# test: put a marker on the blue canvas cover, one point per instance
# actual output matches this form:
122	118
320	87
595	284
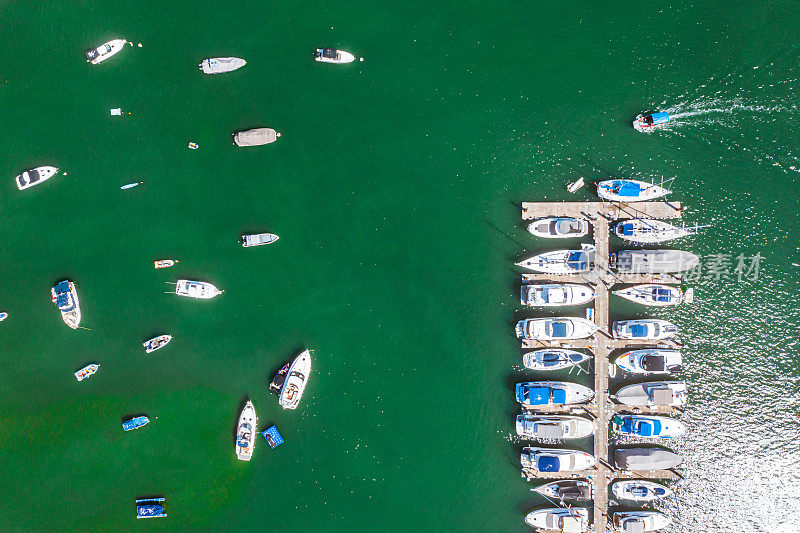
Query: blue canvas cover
548	463
538	395
627	229
62	287
559	396
577	261
629	188
660	118
559	329
639	331
274	438
645	429
627	426
62	300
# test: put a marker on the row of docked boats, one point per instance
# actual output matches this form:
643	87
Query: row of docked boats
573	328
638	230
580	261
564	294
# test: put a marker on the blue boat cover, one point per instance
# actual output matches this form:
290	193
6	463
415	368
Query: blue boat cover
548	463
639	492
627	426
538	395
62	300
577	260
559	329
648	428
627	229
628	188
551	359
559	396
62	287
663	295
660	492
274	438
149	510
134	423
660	118
639	331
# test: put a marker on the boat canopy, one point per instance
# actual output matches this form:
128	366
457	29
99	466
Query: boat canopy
628	188
559	329
627	229
662	295
550	431
62	287
559	396
566	225
548	463
538	395
634	526
661	117
653	363
638	331
662	395
330	53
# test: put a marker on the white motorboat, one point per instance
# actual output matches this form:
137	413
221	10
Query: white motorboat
561	261
639	490
164	263
156	343
218	65
545	393
574	520
566	489
86	371
332	55
3	316
654	294
553	359
246	432
255	137
556	328
554	426
639	521
558	227
646	459
66	299
556	294
555	460
196	289
35	176
644	230
104	51
295	382
652	261
644	329
257	239
654	393
621	190
650	361
647	426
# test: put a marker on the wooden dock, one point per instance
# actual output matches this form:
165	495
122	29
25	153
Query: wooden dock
602	408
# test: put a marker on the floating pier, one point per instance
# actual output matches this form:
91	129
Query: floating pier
600	215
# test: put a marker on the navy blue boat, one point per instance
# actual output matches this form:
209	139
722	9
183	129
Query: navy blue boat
150	508
135	423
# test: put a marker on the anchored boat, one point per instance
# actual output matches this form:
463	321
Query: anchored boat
196	289
295	382
558	227
639	490
639	521
332	55
35	176
3	316
650	361
655	427
150	508
654	294
255	137
645	459
556	328
156	343
554	460
654	393
566	489
218	65
652	261
257	239
553	359
554	426
644	329
66	299
104	51
649	122
649	231
246	432
621	190
574	520
561	261
164	263
135	423
539	393
86	371
556	294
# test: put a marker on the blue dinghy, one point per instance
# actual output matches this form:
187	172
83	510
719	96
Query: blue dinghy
135	423
150	508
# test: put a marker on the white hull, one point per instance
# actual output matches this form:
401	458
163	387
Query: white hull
611	190
553	359
341	57
652	294
554	295
651	361
569	460
220	65
295	382
558	228
258	239
85	372
196	289
571	393
554	426
35	176
255	137
246	432
163	263
656	393
648	231
104	51
668	428
644	329
561	261
556	328
156	343
559	519
639	490
650	520
71	318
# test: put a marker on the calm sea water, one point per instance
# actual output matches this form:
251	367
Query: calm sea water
395	190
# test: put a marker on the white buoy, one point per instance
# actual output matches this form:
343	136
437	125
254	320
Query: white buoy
278	134
140	45
361	59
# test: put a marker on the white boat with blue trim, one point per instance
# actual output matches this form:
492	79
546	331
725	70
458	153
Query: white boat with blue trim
556	328
624	190
533	394
655	295
639	490
220	65
34	176
556	294
561	261
648	426
644	329
65	296
553	359
650	361
554	426
555	460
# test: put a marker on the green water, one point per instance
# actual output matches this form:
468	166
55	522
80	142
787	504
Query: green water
395	189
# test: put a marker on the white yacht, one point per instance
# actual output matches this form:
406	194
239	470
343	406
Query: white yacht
558	227
644	329
639	490
554	426
257	239
653	394
556	294
639	521
561	261
104	51
553	359
295	382
255	137
156	343
219	65
650	361
332	55
574	520
196	289
556	460
66	299
35	176
556	328
246	432
533	394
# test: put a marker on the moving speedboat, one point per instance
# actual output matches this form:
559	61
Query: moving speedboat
639	521
556	294
257	239
566	489
295	382
639	490
654	294
150	508
164	263
196	289
561	261
652	261
556	328
644	329
574	520
654	393
650	361
104	51
553	359
539	393
86	371
331	55
135	423
156	343
655	427
218	65
246	432
649	231
558	227
66	299
554	426
553	460
35	176
648	122
621	190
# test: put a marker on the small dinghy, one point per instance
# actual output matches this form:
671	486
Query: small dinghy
652	427
630	190
135	423
219	65
104	51
255	137
3	316
645	459
639	490
65	296
651	361
554	460
332	55
575	185
554	427
246	432
258	239
150	508
557	328
653	294
644	329
652	261
553	359
566	489
575	520
648	231
164	263
653	394
86	371
196	289
649	122
561	261
556	294
540	393
295	382
35	176
156	343
639	521
558	228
